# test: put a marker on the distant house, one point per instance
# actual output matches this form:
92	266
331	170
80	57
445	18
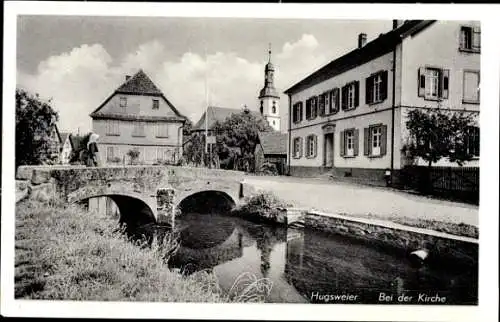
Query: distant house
271	149
138	116
54	145
66	149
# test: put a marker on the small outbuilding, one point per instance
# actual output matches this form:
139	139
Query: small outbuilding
270	153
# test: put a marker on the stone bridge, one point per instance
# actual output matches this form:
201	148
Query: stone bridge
141	193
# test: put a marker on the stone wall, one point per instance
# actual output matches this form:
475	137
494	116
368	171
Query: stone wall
444	249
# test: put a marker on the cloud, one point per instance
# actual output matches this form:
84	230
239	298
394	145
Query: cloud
81	79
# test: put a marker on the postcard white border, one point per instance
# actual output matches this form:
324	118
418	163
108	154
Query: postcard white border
488	270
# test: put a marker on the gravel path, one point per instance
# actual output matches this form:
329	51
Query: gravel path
354	199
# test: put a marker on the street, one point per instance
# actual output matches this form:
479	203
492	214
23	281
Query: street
358	200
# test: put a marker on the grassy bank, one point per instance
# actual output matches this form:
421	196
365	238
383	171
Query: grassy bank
63	252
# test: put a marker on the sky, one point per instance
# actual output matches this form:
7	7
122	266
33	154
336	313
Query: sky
78	61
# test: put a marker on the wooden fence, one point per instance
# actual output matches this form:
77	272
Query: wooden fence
459	182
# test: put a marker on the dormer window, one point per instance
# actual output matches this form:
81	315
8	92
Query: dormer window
156	104
123	101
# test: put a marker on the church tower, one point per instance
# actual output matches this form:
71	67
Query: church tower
269	99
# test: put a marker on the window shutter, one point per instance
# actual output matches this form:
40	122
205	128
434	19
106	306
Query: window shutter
383	140
383	86
344	98
366	141
301	147
356	93
301	112
342	143
314	108
315	151
476	38
294	113
445	77
421	82
356	142
368	90
322	104
336	93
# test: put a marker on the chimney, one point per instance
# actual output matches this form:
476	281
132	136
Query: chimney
361	40
127	77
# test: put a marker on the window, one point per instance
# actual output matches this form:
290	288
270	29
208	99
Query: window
297	148
334	101
274	107
138	129
297	112
156	104
123	101
473	141
376	88
261	107
112	153
350	96
311	108
433	83
150	154
375	140
161	130
112	127
311	146
376	134
471	87
274	122
470	39
349	143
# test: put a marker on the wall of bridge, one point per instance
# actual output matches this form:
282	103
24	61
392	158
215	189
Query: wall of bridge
161	188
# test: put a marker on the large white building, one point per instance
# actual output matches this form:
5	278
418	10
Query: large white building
349	117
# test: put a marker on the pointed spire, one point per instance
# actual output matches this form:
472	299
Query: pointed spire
269	52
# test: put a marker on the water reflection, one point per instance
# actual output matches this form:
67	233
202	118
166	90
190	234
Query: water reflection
301	263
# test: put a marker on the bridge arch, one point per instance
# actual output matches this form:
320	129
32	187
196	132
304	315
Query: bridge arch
135	210
205	201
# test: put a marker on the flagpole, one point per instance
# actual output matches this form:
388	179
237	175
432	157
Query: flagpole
206	100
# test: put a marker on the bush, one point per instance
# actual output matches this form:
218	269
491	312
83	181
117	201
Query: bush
261	207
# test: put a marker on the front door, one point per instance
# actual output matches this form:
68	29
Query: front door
328	148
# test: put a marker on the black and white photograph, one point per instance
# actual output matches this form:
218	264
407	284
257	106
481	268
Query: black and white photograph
158	157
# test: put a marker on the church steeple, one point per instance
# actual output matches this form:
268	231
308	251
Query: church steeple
268	90
269	97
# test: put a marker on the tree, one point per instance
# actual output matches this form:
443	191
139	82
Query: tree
186	130
437	133
237	137
133	154
35	122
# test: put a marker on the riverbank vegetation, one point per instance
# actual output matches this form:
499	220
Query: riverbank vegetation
66	253
262	207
